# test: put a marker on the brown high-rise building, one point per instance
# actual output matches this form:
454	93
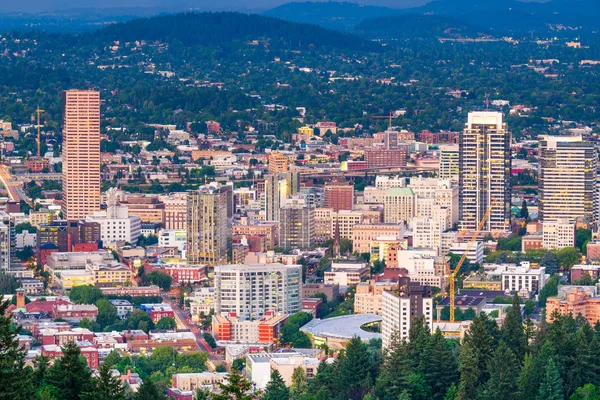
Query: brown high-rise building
339	195
81	153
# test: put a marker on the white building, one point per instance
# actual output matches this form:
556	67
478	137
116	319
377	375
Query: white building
346	273
25	239
399	205
558	234
116	225
259	366
449	162
124	307
475	253
422	269
172	238
251	290
431	192
388	182
522	277
401	307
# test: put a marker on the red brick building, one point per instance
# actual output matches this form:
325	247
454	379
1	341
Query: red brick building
186	273
376	158
89	352
339	195
159	312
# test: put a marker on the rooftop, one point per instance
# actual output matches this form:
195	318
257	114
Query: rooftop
344	327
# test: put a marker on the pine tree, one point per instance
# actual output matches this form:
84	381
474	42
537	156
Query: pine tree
587	392
452	393
324	380
524	213
551	386
481	344
504	371
395	371
469	374
353	370
70	373
105	386
512	330
276	389
15	378
236	388
439	365
299	385
418	337
528	386
148	391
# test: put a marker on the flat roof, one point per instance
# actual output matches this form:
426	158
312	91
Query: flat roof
344	327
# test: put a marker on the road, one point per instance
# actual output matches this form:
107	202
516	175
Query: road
15	190
183	322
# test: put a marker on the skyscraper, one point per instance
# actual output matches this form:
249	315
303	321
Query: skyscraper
339	195
567	178
484	172
277	188
81	153
449	161
208	228
297	223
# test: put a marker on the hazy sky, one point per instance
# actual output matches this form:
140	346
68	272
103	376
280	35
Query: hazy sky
35	6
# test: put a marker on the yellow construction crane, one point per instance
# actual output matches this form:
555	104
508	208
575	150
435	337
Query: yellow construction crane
388	117
39	137
452	273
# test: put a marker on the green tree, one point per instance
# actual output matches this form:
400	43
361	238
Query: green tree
568	257
512	329
551	386
70	373
353	371
25	226
112	359
395	369
452	393
581	237
528	386
586	392
504	371
105	386
238	364
529	307
166	323
107	313
524	212
299	385
159	279
148	391
85	294
15	378
236	388
550	289
276	389
439	365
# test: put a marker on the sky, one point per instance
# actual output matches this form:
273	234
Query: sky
36	6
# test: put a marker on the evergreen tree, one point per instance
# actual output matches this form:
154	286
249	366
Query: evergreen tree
551	386
70	373
504	370
299	385
480	343
148	391
236	388
418	338
528	386
524	213
452	393
15	378
41	364
469	374
439	365
276	389
105	386
395	370
325	380
587	392
512	329
353	370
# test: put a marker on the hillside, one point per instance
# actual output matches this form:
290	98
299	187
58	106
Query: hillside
415	26
224	29
331	15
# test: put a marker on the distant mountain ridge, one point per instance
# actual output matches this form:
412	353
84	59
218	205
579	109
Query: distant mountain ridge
225	28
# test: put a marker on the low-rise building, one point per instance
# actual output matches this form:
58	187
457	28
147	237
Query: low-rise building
229	328
368	298
558	234
259	366
346	273
576	302
331	291
124	307
474	254
200	380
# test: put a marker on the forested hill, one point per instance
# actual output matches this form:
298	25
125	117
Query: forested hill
330	14
225	28
415	26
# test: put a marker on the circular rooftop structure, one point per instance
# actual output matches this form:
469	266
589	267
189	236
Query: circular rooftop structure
342	328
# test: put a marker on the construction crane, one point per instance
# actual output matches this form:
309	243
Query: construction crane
39	137
388	117
452	273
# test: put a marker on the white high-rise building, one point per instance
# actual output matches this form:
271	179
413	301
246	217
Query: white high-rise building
399	205
558	234
430	192
567	178
400	308
449	162
484	172
250	291
116	225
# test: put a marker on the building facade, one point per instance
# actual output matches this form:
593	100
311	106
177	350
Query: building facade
297	223
80	154
484	172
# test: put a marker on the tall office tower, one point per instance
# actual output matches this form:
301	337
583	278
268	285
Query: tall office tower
339	195
208	228
81	154
296	223
402	306
484	172
250	291
399	205
7	232
567	178
449	161
277	188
